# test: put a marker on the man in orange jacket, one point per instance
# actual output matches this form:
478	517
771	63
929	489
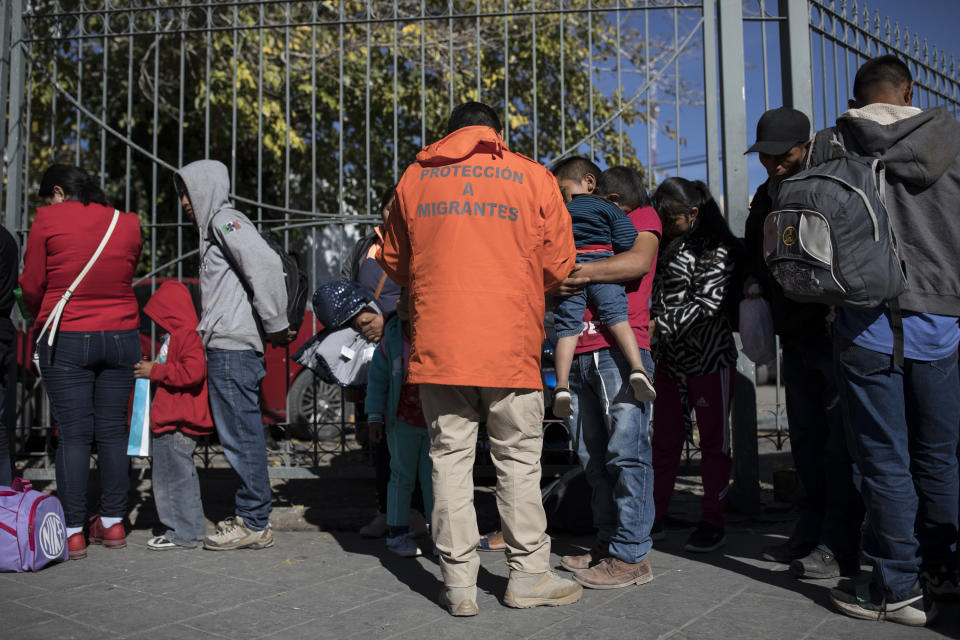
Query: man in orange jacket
479	234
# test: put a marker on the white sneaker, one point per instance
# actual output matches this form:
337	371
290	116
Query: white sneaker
376	528
643	389
562	403
404	545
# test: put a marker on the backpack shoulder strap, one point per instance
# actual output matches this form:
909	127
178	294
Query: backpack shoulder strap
827	144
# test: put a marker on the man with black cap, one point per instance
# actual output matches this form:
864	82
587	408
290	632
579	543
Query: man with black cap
825	540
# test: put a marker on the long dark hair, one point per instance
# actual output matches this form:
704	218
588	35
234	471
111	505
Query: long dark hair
675	195
75	182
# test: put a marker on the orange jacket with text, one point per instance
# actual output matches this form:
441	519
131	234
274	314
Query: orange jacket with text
478	234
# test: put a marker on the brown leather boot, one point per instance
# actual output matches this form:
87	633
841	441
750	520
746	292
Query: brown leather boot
614	573
595	554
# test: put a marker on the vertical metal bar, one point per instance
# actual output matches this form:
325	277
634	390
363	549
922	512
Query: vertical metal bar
745	493
593	137
313	117
536	119
260	117
423	72
366	112
5	27
103	97
155	141
479	52
506	73
180	122
651	160
286	138
450	49
340	208
233	106
836	79
129	159
711	104
796	66
763	50
79	116
823	75
676	86
563	92
206	76
619	90
396	72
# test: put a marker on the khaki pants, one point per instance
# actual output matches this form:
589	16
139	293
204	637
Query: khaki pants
515	427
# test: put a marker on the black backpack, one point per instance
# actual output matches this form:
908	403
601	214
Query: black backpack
296	280
828	238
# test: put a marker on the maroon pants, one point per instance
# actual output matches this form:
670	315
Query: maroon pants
709	396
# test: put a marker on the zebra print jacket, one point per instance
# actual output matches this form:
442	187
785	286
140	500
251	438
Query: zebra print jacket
693	334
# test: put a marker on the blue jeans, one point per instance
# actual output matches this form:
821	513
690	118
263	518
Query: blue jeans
6	435
613	444
233	377
176	488
609	299
89	377
832	511
902	426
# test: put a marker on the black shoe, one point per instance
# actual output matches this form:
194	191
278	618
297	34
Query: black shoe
867	602
942	583
787	552
705	538
820	564
658	531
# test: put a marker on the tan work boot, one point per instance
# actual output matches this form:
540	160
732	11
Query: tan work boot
527	590
233	533
459	601
614	573
596	553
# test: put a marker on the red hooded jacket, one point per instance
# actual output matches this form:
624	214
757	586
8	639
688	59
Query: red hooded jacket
180	400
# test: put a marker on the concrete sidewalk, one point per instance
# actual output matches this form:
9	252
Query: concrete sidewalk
337	585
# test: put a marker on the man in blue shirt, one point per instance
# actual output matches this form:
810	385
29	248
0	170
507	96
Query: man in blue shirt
902	420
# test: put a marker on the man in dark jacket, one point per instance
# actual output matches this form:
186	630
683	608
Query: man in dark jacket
826	540
902	420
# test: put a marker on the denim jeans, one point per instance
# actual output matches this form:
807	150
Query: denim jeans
89	377
609	299
176	488
233	377
902	427
613	444
832	511
6	435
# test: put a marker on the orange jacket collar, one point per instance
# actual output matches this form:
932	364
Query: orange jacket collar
461	144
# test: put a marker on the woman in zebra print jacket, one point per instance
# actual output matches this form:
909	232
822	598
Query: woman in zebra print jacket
694	348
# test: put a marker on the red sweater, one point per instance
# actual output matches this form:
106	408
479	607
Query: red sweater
62	239
180	400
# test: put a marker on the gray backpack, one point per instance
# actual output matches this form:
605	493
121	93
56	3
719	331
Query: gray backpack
829	240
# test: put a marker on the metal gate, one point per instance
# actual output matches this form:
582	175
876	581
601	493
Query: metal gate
317	107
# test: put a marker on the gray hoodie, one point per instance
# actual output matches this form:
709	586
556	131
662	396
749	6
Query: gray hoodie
921	152
228	320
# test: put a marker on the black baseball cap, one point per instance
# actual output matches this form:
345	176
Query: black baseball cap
780	129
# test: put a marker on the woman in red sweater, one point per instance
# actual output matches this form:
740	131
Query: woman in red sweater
88	372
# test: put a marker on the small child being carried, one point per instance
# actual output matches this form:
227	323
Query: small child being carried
179	415
393	403
600	229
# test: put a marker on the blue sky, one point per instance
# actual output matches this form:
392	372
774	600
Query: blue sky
935	20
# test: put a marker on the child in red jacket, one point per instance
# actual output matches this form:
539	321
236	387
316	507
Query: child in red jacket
179	415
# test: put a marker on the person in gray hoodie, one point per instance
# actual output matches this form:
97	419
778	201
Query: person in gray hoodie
244	299
902	421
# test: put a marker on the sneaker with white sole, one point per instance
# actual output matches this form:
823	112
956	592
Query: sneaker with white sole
162	543
865	600
562	403
233	533
643	389
404	545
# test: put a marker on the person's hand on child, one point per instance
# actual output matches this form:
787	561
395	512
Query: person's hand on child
376	432
142	369
370	325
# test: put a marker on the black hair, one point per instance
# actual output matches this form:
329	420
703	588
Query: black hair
386	197
575	168
626	184
675	195
75	182
470	114
887	69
